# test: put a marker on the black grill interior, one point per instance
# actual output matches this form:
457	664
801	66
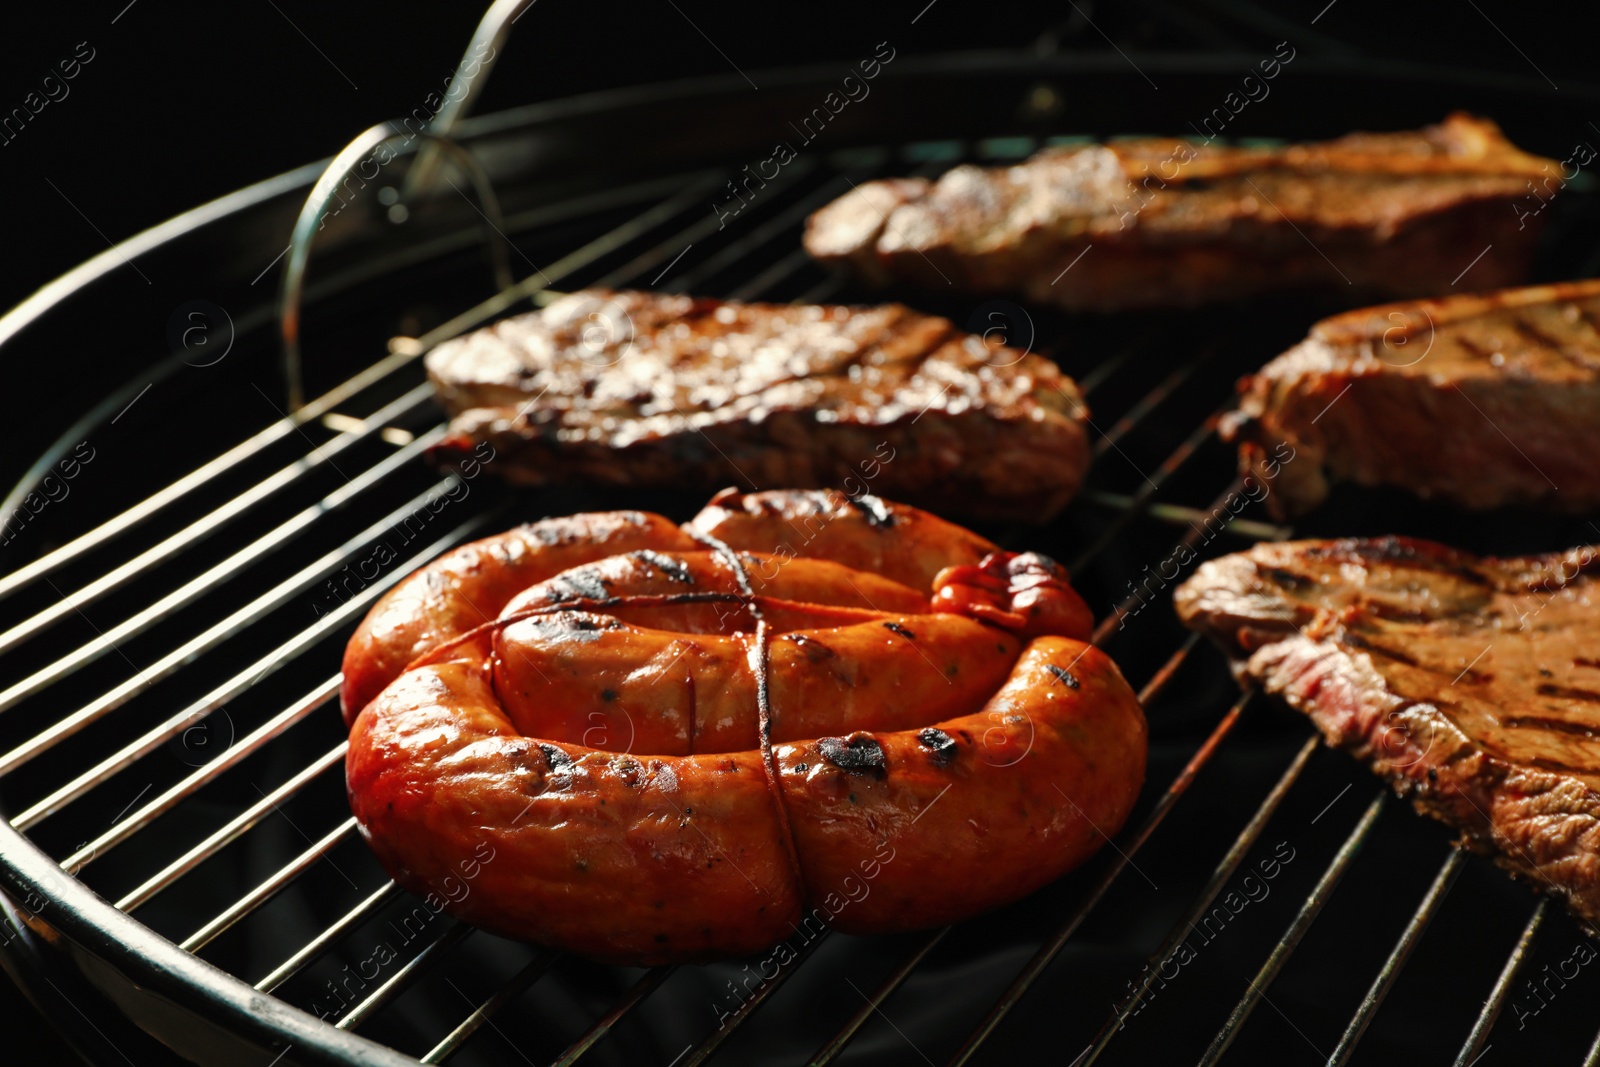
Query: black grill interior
1058	964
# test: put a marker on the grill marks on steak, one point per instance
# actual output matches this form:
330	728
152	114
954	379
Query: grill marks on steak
1176	224
630	388
1479	400
1469	683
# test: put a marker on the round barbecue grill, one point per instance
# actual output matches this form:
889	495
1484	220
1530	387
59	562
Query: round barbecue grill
182	878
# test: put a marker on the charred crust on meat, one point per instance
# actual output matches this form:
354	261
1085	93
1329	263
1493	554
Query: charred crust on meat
814	650
1471	346
675	569
896	628
552	532
1567	692
1062	676
1541	339
1390	548
584	583
1356	641
1284	578
572	625
1547	722
1379	609
940	745
1558	766
860	753
557	758
874	509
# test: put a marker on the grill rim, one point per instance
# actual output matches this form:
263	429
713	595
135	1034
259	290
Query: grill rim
200	990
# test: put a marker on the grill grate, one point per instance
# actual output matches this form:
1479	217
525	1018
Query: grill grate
277	857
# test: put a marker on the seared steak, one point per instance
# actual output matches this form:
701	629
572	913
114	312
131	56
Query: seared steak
1167	222
1477	400
1472	685
638	389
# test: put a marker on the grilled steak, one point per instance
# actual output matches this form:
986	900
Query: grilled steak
638	389
1173	223
1477	400
1471	684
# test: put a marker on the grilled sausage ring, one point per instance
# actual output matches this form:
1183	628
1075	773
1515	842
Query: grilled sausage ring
651	744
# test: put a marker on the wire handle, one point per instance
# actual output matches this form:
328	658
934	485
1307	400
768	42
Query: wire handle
313	215
482	53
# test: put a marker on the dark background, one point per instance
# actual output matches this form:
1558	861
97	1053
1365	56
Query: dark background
183	101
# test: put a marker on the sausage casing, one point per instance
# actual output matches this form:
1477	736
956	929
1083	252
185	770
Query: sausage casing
608	779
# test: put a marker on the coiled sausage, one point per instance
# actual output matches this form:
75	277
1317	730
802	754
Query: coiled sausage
680	750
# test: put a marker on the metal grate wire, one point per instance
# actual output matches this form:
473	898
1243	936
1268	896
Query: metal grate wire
640	251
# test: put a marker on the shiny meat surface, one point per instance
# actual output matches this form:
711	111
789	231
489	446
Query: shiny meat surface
630	388
687	749
1480	400
1172	223
1472	684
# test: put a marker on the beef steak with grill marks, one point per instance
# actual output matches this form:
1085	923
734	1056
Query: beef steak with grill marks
1162	222
642	389
1471	684
1479	400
